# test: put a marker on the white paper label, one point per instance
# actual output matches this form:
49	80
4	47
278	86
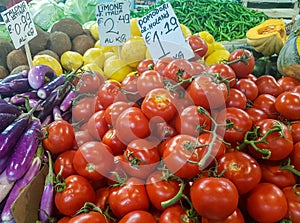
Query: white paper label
113	23
19	24
162	33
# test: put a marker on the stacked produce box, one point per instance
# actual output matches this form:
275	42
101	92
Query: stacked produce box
99	133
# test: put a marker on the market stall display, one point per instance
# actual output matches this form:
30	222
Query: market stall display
105	133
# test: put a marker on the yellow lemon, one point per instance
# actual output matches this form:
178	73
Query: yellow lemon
49	61
219	46
210	41
134	28
148	55
185	30
116	69
218	56
71	60
133	51
94	55
94	31
92	67
105	48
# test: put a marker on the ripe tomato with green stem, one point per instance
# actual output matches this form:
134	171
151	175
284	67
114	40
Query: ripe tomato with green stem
72	194
293	199
248	87
138	216
242	62
129	195
59	136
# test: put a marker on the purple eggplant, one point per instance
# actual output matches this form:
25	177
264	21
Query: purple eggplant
47	120
19	99
24	151
10	135
47	199
3	162
10	109
66	104
19	185
2	101
37	75
45	90
6	119
9	78
67	116
5	186
14	87
54	99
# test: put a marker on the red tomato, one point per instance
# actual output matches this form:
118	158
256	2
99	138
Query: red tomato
175	214
161	64
160	189
242	62
179	69
293	200
178	151
198	45
205	92
271	173
111	139
278	142
288	83
64	163
218	148
138	216
235	217
92	216
158	105
225	71
129	88
59	136
163	131
214	198
110	92
248	87
266	203
93	160
237	123
97	125
130	196
241	169
84	109
236	99
288	105
295	129
266	103
146	64
141	157
102	194
198	67
132	124
192	121
82	136
295	156
89	82
64	219
114	110
267	84
256	114
76	193
149	80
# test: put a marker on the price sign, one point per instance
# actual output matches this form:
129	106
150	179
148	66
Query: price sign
19	24
113	23
162	33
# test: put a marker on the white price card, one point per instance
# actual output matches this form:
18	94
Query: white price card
113	20
162	33
19	24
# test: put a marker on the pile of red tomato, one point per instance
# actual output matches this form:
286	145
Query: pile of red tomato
180	142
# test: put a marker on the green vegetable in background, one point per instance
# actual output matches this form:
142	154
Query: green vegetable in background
45	12
4	33
225	20
81	10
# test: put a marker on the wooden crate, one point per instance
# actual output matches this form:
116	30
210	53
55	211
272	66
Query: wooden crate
288	9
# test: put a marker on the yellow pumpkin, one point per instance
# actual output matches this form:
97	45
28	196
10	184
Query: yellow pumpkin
268	37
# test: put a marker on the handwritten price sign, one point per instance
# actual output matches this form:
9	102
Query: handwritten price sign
162	34
19	24
114	23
